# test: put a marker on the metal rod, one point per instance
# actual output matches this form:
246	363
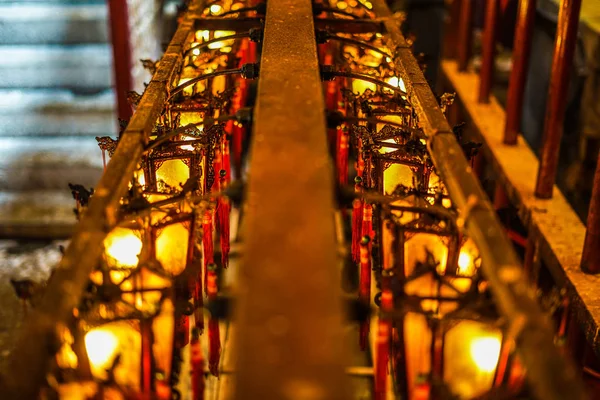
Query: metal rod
359	43
121	49
590	259
520	66
465	34
37	343
203	78
486	75
289	313
215	40
564	50
366	78
550	374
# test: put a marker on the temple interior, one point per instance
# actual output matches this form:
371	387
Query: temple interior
299	199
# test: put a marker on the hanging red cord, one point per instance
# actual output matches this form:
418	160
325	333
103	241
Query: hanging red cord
226	160
383	344
207	243
214	338
367	221
357	213
364	293
217	165
197	362
223	212
198	302
342	157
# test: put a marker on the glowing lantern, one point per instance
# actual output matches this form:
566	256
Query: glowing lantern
122	247
446	333
101	345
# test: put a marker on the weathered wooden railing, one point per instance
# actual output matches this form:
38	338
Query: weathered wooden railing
560	250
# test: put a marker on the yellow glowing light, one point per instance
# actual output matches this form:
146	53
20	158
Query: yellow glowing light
187	146
342	5
202	35
196	52
367	4
397	82
189	89
101	346
465	262
215	9
225	43
485	352
361	86
172	249
139	175
124	246
173	173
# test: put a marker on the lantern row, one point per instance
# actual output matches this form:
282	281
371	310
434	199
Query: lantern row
438	332
138	331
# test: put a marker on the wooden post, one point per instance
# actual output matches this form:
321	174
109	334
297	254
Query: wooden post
520	66
486	74
119	33
590	259
564	49
465	34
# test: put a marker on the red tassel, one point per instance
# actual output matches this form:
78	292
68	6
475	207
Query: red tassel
214	338
383	346
331	95
238	132
342	157
237	140
223	212
226	161
197	361
367	221
364	293
207	243
251	52
240	98
198	303
422	389
357	214
217	164
242	53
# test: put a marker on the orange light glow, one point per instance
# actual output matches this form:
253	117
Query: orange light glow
224	43
172	248
101	346
173	173
123	246
202	36
188	90
471	355
396	82
216	9
465	262
359	86
485	352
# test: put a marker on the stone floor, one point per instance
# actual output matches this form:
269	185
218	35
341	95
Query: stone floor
30	260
